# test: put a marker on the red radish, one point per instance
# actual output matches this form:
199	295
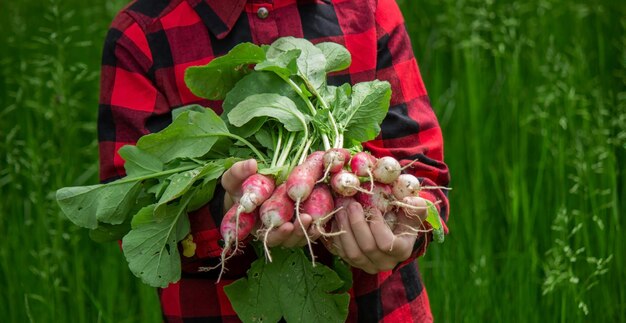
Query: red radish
345	183
276	211
334	160
235	226
303	177
362	164
320	206
300	184
315	157
319	203
256	189
386	170
380	197
343	201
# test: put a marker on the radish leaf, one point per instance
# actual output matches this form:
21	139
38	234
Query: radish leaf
180	183
311	62
288	287
337	57
138	162
257	83
190	135
368	107
306	291
284	64
270	105
434	220
255	298
151	246
109	232
109	203
214	80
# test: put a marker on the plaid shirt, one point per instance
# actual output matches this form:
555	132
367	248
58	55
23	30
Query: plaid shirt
148	48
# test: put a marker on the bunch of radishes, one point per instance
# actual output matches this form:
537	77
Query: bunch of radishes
319	187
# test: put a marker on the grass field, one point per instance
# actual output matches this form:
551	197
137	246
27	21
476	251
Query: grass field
531	96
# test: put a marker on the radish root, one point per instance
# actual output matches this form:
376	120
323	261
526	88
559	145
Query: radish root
306	235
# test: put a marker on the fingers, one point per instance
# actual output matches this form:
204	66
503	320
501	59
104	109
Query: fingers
297	239
385	240
279	235
362	232
234	177
348	246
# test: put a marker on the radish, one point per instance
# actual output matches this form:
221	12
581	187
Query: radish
275	211
320	202
412	206
380	197
320	206
343	201
345	183
405	185
334	160
408	185
300	184
235	226
256	189
386	170
362	164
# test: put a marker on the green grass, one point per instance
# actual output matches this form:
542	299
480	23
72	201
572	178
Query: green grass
530	95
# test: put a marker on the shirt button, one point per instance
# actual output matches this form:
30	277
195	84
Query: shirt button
262	13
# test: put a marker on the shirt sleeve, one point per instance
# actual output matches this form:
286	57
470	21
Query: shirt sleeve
128	97
132	105
410	131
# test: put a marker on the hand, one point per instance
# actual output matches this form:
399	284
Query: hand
369	244
287	235
290	234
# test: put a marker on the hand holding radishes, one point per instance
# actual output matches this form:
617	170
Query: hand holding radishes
369	244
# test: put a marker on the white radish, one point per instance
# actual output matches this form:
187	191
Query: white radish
409	185
405	185
386	170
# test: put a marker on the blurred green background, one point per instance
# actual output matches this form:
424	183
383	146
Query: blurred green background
530	94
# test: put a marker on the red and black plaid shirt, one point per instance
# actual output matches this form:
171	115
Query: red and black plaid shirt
152	42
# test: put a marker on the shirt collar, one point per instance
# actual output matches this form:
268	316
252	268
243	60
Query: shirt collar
218	16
